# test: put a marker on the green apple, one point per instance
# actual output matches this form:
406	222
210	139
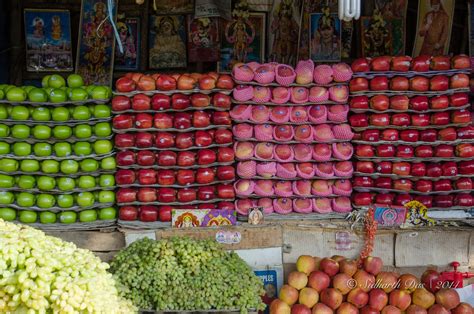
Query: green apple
88	215
103	147
41	114
106	180
3	111
47	217
57	95
16	94
100	93
37	95
75	80
20	113
45	201
62	132
106	197
89	165
67	217
25	199
50	166
29	165
56	81
66	183
62	149
46	183
81	113
82	148
7	214
78	94
102	111
108	213
45	81
89	89
108	163
86	182
5	130
42	149
2	94
27	216
69	166
26	182
83	131
21	149
6	181
21	131
4	148
60	114
8	87
65	200
41	132
28	88
85	199
8	165
103	129
6	197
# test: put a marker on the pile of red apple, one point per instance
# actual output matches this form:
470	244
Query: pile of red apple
339	285
448	134
363	151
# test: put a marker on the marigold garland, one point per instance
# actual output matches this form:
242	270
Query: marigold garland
370	230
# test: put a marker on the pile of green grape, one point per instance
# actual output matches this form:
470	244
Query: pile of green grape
186	274
43	274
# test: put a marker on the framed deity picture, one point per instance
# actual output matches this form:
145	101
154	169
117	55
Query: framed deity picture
376	36
167	42
48	40
129	33
95	49
203	39
173	6
325	37
242	40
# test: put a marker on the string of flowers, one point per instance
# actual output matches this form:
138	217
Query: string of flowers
370	230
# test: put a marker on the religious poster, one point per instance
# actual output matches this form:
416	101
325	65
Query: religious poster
167	42
48	40
242	40
129	33
284	29
395	11
433	33
376	36
173	6
325	37
203	39
95	53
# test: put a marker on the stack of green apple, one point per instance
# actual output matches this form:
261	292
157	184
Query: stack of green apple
57	184
60	150
57	167
58	132
55	89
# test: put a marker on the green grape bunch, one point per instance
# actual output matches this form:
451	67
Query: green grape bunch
185	274
43	274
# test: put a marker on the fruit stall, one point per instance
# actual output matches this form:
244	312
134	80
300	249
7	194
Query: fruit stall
282	157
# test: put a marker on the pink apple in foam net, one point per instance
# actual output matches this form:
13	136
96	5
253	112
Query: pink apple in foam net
322	149
323	132
265	185
344	149
318	93
342	72
244	205
264	150
241	130
283	186
238	110
289	167
338	109
338	93
242	185
280	114
263	132
343	203
303	133
280	93
244	150
299	114
265	202
302	151
303	187
283	151
260	113
326	168
285	71
323	74
344	166
284	132
261	93
305	167
317	111
344	185
322	187
299	94
323	205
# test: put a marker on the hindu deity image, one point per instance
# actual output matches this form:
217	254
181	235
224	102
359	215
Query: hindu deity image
284	30
56	32
326	36
240	33
128	58
376	38
187	220
168	45
435	30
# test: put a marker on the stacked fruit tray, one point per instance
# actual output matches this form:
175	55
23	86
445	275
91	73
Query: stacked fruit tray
414	135
292	139
174	137
56	155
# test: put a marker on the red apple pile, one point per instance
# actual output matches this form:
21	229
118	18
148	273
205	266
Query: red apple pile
292	159
174	139
412	146
340	285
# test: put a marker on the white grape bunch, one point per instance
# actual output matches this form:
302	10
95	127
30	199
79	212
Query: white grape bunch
43	274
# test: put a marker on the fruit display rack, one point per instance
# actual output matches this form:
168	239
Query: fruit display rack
56	156
414	139
292	139
174	142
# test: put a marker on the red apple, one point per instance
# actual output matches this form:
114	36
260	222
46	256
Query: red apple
186	159
466	167
385	150
186	82
419	103
124	140
363	182
123	121
424	151
421	63
389	135
166	177
384	199
145	158
440	118
124	177
418	169
203	138
365	166
160	102
439	83
399	83
443	201
146	83
180	101
459	80
182	120
434	170
384	167
141	102
206	156
383	183
403	185
164	213
225	81
206	193
225	191
225	173
370	135
186	195
359	102
128	213
449	169
399	102
185	176
146	195
165	83
419	84
359	120
166	195
442	185
401	119
461	62
200	100
401	63
405	151
444	151
220	100
360	65
205	175
464	150
221	118
365	151
429	135
120	103
206	82
167	158
424	186
379	119
402	199
464	199
381	63
362	198
126	195
222	136
440	63
466	132
439	102
379	83
185	140
125	85
163	120
379	102
425	200
401	168
448	134
225	154
143	121
164	140
125	158
461	116
358	84
144	140
148	176
225	205
459	99
420	119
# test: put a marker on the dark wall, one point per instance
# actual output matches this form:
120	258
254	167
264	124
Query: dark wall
4	43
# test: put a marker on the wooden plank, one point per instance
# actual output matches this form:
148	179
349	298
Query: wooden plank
322	242
106	256
251	237
421	248
93	240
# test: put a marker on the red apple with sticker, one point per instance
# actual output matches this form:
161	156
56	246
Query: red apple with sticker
180	101
459	80
363	182
418	169
123	121
401	119
403	185
401	63
423	151
399	102
464	199
164	213
401	168
360	65
444	151
421	63
165	177
448	134
206	193
370	135
365	151
420	84
167	158
185	176
386	150
164	140
163	120
359	84
121	103
390	135
225	191
405	151
186	195
203	138
449	169
182	120
434	170
420	119
463	184
384	167
458	99
143	121
365	166
419	103
402	199
383	183
205	175
410	135
379	119
124	140
429	135
184	140
160	102
186	158
359	102
399	83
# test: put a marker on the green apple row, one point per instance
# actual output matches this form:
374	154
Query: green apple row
66	217
68	167
60	149
48	183
59	114
54	90
45	201
59	132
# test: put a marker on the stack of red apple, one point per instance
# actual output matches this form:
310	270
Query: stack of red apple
338	285
174	137
414	135
291	128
